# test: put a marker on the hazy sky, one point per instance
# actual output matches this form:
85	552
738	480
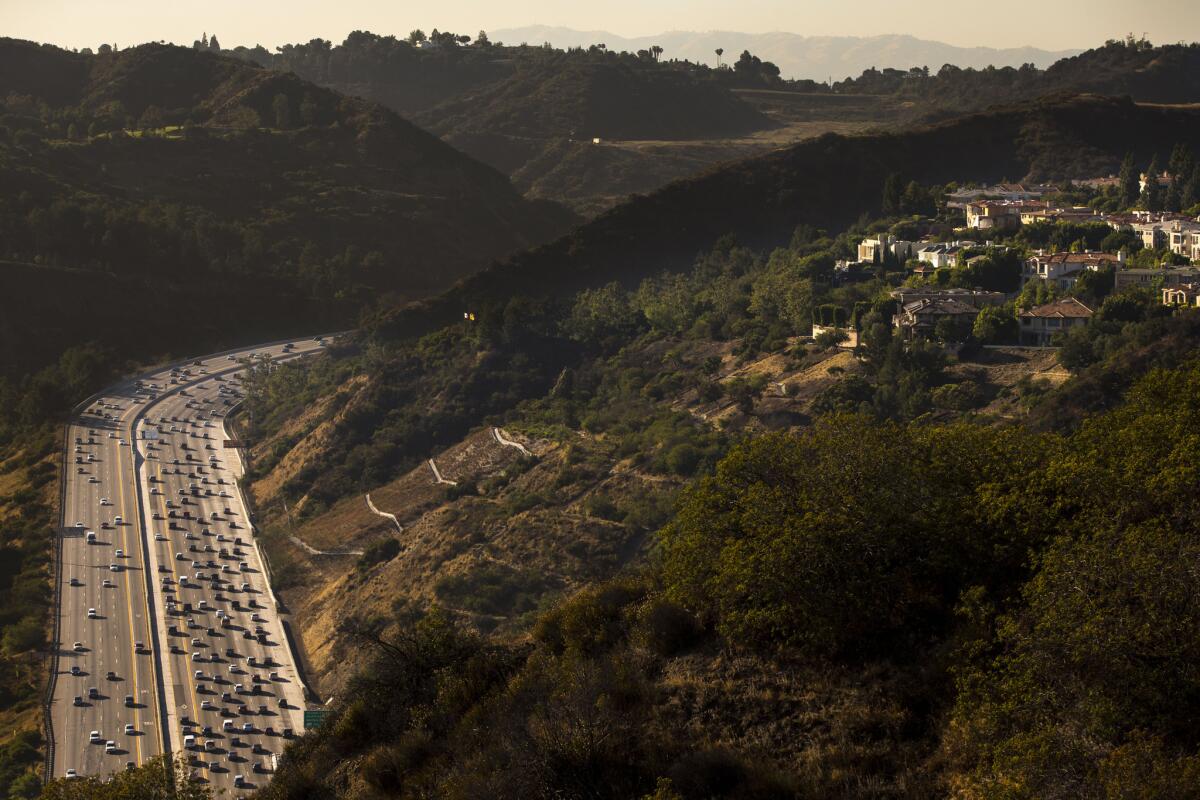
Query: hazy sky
1050	24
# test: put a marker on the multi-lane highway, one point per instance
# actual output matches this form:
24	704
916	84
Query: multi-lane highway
169	637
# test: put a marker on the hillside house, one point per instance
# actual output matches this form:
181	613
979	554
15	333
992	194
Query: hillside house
1039	325
1041	212
1164	180
875	250
1000	191
940	254
1152	234
1063	269
1186	294
1183	237
919	318
1152	278
976	298
994	214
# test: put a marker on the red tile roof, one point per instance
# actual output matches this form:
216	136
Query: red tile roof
1067	307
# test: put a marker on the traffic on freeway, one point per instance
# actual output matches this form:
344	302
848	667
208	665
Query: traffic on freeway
169	638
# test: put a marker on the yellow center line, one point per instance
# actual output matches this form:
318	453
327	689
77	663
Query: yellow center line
137	717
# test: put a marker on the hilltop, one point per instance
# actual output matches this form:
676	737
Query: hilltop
803	57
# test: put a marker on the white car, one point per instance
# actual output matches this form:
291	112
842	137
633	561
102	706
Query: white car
95	738
91	613
104	501
128	728
79	525
107	584
117	519
120	553
72	774
78	647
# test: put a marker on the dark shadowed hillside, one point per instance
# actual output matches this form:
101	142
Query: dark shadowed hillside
164	165
564	96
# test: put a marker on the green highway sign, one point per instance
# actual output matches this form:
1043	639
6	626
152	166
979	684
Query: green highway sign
313	719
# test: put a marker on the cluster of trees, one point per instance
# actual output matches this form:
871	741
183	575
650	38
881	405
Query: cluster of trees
1136	189
1133	67
1060	568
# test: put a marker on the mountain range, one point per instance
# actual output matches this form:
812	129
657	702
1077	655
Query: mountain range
815	57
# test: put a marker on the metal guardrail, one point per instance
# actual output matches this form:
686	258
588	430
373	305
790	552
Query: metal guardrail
289	637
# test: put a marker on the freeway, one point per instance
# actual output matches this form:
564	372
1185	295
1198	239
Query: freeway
167	625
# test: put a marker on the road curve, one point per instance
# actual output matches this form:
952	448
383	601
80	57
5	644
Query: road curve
122	595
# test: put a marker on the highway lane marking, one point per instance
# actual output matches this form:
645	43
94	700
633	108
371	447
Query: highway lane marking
87	491
137	717
194	716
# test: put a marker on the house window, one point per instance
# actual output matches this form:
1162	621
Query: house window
1052	323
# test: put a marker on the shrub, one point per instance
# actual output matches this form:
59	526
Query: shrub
378	552
666	628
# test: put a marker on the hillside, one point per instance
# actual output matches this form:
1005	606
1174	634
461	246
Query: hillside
825	183
737	562
532	113
559	96
188	169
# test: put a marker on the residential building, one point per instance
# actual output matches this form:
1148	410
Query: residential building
976	298
1183	237
918	318
940	254
994	214
1152	234
875	250
1164	180
1000	191
1063	269
1039	325
1034	213
1151	278
1186	294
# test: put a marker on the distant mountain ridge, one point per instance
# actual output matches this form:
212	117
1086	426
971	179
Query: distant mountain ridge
797	56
